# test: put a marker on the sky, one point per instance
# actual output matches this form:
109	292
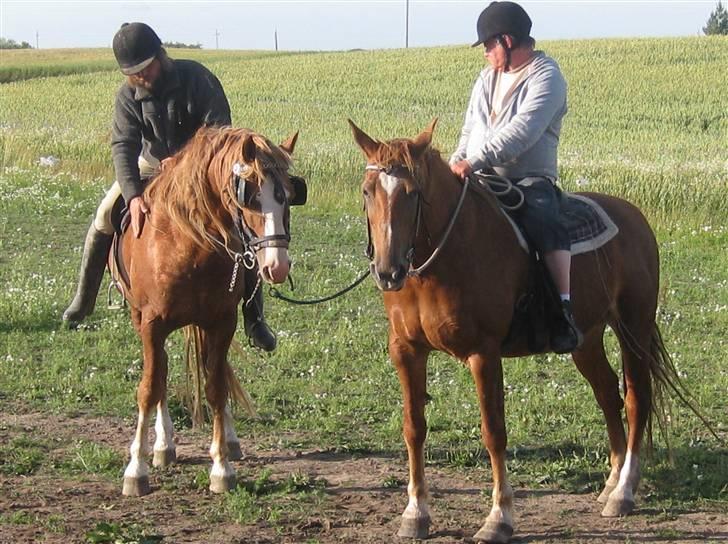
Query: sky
335	25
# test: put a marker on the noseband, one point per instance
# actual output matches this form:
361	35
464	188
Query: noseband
410	253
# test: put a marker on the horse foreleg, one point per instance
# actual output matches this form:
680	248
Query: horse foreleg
222	474
152	389
165	452
231	439
593	364
487	372
411	368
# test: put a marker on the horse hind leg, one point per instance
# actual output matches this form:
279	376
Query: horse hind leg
634	339
592	363
151	391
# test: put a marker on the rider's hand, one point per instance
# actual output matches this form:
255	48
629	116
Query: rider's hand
138	209
461	169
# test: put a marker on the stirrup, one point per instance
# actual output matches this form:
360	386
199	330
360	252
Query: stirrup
110	304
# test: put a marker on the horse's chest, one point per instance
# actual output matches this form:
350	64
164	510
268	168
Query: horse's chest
443	325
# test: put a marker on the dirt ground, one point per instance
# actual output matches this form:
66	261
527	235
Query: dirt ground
356	506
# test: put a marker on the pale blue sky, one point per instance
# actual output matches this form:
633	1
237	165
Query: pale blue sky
335	25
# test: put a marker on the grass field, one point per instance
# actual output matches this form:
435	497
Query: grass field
648	122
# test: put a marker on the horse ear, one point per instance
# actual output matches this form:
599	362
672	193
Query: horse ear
290	144
249	149
423	140
367	145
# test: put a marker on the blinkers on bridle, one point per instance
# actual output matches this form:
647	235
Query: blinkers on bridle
243	189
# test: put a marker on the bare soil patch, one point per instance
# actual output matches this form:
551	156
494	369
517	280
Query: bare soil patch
355	505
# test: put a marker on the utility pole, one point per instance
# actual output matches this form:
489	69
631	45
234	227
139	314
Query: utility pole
36	39
275	38
406	24
217	34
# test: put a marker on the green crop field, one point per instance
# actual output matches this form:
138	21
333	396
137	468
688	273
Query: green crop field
648	122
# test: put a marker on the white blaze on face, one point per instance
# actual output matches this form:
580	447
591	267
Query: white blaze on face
273	261
389	184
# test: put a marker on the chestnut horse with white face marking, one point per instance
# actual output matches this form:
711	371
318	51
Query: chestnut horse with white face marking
221	205
462	304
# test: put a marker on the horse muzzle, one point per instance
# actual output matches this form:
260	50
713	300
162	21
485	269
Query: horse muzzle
274	264
389	278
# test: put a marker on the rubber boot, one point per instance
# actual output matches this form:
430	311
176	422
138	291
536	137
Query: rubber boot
256	328
95	252
565	335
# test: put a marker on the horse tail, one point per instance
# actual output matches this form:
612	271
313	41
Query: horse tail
196	372
666	381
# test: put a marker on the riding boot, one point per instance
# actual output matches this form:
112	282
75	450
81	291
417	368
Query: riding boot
565	335
93	263
256	328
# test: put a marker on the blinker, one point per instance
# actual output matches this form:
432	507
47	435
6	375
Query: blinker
300	191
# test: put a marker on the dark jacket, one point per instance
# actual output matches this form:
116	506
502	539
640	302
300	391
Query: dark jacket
157	126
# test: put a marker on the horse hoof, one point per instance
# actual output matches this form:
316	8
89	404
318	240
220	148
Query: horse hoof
604	495
418	528
222	484
163	458
136	487
234	451
494	533
616	508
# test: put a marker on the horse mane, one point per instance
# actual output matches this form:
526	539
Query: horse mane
197	187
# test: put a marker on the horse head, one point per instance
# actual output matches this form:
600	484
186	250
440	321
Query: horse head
264	192
392	201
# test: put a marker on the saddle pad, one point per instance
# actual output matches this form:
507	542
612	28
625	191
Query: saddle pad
588	224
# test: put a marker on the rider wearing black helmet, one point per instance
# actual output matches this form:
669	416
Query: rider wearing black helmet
512	127
158	109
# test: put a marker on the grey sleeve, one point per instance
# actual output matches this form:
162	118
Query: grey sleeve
126	145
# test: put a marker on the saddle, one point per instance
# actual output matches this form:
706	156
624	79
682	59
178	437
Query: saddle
539	306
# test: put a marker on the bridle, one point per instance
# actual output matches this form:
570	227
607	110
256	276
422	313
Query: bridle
415	271
252	243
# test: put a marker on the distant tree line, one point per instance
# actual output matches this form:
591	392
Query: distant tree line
180	45
12	44
717	22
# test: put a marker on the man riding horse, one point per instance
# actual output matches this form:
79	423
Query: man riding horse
512	127
158	109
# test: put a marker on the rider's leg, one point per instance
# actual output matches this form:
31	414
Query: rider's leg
255	326
93	262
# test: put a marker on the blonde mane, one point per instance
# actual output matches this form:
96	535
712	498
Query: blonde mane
196	193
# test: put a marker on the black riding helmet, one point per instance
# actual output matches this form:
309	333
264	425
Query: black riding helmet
135	46
503	18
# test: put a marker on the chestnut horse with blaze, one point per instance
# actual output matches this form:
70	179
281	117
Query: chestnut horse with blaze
462	304
221	205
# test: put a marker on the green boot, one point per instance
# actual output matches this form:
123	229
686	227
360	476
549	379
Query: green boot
256	328
95	252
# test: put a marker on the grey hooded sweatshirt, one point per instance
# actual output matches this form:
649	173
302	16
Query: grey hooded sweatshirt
522	140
